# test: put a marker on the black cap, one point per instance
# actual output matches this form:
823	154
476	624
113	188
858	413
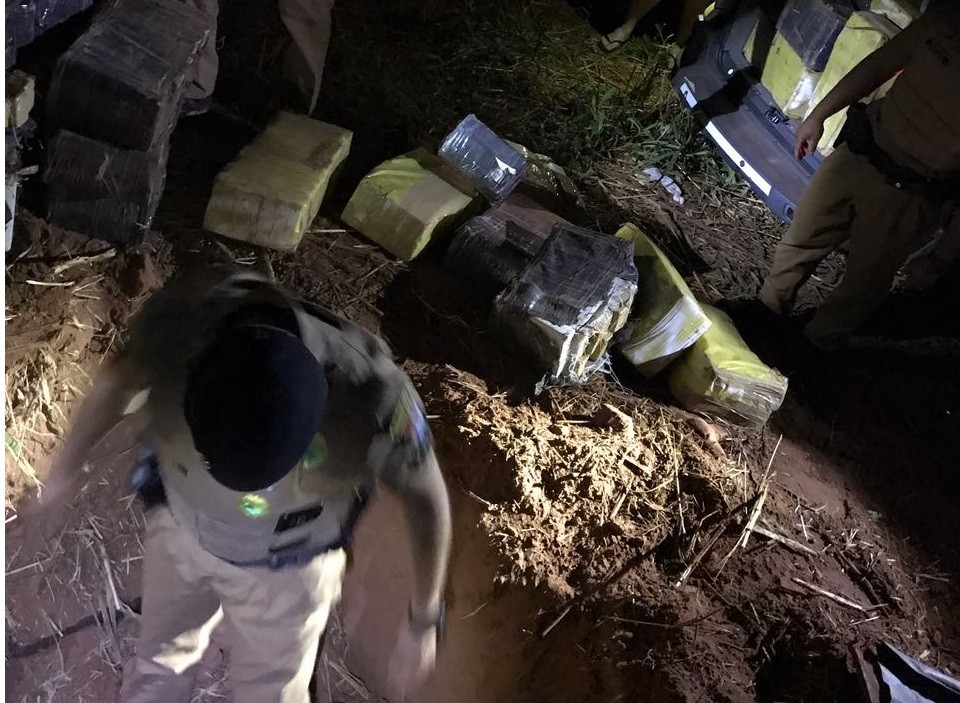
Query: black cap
254	401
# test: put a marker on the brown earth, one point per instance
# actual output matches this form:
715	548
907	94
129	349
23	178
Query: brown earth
574	522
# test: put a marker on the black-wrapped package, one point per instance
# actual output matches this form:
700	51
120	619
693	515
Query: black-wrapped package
492	249
566	305
91	169
123	80
50	13
101	191
111	219
811	28
20	23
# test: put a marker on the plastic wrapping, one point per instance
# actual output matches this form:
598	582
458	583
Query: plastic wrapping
273	190
406	203
812	26
568	303
666	319
901	12
864	33
123	80
721	376
547	183
20	98
20	23
101	191
493	166
789	81
11	211
50	13
493	249
88	169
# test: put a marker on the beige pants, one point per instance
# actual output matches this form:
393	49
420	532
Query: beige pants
308	22
274	618
847	199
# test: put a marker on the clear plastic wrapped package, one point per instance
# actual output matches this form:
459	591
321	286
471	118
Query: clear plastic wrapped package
492	249
901	12
493	166
719	375
666	318
407	203
101	191
547	183
20	23
50	13
567	304
812	26
123	80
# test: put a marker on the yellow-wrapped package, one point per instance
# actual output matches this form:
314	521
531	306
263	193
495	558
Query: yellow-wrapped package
864	33
790	82
721	376
273	190
406	203
666	318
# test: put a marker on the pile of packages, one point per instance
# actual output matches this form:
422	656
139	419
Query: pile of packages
817	43
114	100
561	296
19	127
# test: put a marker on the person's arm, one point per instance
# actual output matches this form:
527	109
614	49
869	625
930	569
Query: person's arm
426	508
99	411
868	75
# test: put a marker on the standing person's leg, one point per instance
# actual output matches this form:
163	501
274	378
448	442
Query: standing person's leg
276	620
179	613
884	230
204	77
618	37
309	24
821	223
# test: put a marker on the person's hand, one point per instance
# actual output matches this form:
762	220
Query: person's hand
924	271
808	136
413	659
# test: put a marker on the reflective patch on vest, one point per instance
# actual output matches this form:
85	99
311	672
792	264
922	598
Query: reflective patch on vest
254	506
409	427
316	453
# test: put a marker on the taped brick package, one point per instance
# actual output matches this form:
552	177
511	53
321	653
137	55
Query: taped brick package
719	375
789	81
122	81
564	308
864	33
102	191
901	12
492	249
493	166
407	203
666	317
812	26
547	183
273	190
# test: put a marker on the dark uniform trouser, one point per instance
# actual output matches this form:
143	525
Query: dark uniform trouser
847	199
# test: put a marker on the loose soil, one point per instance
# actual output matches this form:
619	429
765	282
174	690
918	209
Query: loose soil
601	550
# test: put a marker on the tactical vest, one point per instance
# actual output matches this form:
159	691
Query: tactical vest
313	508
918	122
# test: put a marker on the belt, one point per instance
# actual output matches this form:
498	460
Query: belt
296	556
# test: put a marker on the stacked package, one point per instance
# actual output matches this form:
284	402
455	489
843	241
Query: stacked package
493	166
806	32
492	249
864	33
102	191
28	19
120	86
901	12
667	319
273	190
20	98
721	376
547	183
406	203
565	307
